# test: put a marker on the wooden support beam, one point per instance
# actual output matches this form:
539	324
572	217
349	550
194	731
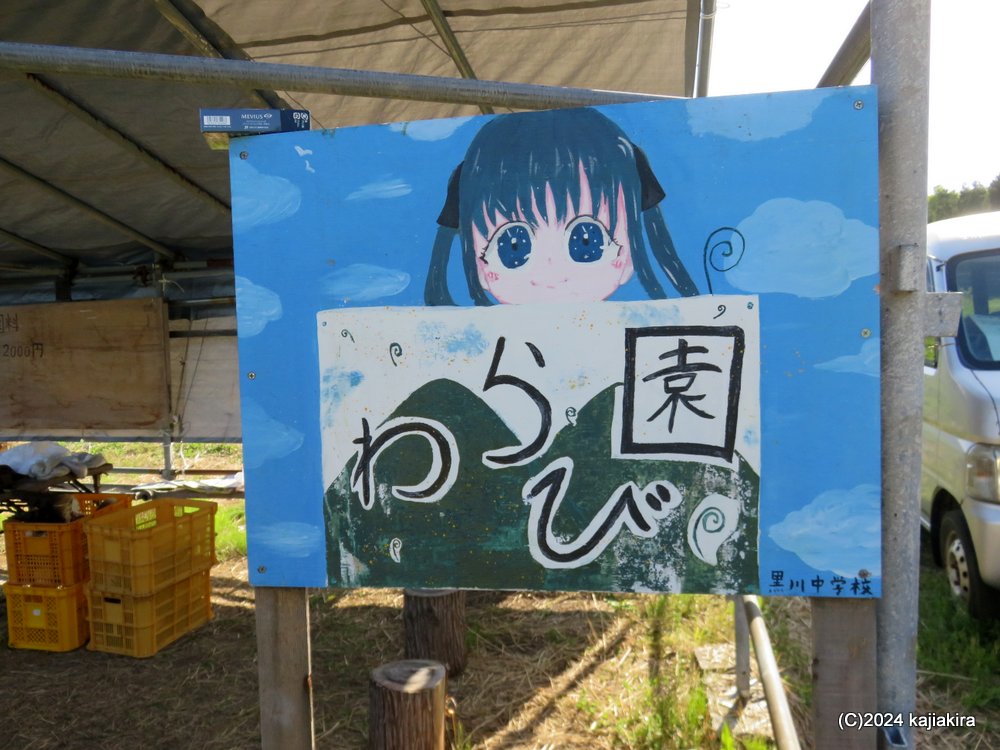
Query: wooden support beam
844	675
284	669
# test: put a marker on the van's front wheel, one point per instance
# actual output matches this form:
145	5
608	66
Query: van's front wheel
962	569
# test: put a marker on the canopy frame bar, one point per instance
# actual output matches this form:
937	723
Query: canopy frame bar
41	58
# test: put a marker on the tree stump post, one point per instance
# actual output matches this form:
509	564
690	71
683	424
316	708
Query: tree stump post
434	627
406	706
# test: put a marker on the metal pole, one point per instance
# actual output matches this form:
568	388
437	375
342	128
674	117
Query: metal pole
853	53
191	22
34	247
88	209
706	30
168	469
742	640
54	93
447	35
900	68
38	58
770	677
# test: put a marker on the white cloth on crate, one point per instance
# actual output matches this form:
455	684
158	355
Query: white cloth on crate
45	460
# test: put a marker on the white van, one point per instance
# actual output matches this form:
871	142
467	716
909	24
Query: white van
960	481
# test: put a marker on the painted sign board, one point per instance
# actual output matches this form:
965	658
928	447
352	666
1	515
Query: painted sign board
626	348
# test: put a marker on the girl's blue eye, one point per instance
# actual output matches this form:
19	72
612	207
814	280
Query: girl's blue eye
514	246
587	242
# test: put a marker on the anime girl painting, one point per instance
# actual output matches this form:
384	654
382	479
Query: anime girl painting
550	208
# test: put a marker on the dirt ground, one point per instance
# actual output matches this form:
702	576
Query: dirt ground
538	664
201	691
534	660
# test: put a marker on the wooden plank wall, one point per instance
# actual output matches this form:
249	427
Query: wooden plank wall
84	367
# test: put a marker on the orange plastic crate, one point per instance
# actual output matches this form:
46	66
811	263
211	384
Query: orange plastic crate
145	548
45	554
89	503
46	618
55	554
142	625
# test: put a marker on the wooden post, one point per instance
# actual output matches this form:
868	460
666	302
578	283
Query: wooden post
406	706
284	669
844	676
434	627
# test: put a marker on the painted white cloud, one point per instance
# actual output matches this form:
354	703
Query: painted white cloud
260	199
334	385
806	248
264	437
289	539
388	187
363	282
865	362
643	315
751	118
429	130
839	531
256	306
470	342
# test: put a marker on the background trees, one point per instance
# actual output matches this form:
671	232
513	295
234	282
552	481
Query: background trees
971	199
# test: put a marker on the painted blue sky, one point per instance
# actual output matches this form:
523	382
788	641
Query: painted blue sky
333	219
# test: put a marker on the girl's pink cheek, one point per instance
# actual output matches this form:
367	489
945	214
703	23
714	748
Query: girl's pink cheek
618	262
492	275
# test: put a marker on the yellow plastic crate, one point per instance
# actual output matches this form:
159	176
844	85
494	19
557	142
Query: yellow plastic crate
145	548
55	554
46	618
142	625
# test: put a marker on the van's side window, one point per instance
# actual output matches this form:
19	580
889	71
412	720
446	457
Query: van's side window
977	277
931	343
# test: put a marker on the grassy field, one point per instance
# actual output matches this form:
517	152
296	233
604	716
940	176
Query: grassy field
230	530
956	655
183	456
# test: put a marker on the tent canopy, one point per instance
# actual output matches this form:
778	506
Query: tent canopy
109	188
110	191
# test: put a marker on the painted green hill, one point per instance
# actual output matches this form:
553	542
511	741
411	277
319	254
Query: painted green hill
477	536
664	562
474	537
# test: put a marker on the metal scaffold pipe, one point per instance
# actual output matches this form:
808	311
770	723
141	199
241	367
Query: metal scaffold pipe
770	676
37	58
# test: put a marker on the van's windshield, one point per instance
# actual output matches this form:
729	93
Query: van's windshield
977	277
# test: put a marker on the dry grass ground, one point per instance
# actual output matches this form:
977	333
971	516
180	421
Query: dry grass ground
546	672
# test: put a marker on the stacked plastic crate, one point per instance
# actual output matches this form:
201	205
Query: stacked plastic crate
47	574
149	575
